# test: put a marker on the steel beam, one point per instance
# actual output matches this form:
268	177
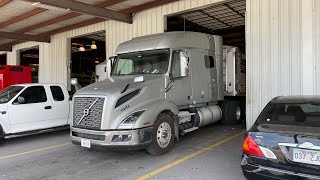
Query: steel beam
88	9
24	37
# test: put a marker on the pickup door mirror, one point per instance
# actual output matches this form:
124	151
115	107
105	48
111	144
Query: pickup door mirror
179	64
21	100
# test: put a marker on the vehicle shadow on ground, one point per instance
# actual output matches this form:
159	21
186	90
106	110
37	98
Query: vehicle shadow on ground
46	136
196	140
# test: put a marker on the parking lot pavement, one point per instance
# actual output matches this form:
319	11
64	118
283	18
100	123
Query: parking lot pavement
212	152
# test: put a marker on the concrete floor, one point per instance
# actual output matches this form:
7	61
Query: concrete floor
38	157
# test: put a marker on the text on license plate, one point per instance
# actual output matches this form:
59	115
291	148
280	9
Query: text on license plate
85	143
306	156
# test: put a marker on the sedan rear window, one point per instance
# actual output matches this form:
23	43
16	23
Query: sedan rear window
304	114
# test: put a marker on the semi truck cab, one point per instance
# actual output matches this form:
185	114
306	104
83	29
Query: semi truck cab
161	86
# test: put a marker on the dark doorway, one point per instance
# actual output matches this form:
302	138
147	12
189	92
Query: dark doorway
3	59
87	52
30	57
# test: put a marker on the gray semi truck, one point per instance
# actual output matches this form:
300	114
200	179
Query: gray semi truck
161	86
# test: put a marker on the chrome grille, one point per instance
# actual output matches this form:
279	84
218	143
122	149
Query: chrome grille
87	112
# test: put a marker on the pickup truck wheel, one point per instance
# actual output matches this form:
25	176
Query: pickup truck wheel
162	135
231	112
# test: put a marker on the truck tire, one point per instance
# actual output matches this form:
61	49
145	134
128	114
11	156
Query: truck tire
243	111
162	135
231	112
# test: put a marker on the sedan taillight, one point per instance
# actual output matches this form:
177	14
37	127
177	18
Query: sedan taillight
251	147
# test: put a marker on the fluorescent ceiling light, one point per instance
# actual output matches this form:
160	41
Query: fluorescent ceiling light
49	7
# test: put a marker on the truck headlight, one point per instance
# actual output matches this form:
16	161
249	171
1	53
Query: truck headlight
129	122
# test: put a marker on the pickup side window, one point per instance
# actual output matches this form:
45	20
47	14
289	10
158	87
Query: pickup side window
57	93
34	94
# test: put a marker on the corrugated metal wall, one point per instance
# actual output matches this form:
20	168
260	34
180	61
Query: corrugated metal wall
282	46
282	51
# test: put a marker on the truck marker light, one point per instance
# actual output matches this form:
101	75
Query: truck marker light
121	138
146	123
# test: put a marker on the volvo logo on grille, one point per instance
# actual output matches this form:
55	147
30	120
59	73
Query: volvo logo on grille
86	112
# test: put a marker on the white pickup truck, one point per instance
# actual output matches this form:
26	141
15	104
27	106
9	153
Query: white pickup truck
30	108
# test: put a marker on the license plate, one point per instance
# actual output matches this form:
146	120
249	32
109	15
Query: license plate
85	143
306	156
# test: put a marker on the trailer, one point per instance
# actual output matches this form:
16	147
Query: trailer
10	75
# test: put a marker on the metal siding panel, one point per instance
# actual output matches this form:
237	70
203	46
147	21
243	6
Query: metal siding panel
252	59
265	56
316	33
307	47
296	63
282	51
284	47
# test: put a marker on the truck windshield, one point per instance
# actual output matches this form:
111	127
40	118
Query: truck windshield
10	92
145	62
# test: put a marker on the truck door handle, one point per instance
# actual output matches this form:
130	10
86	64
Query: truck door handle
48	107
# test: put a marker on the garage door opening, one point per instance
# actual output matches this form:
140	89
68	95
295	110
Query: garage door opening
3	59
30	57
227	20
224	19
86	53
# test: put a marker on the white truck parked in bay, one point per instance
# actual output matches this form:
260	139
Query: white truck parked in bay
33	108
161	86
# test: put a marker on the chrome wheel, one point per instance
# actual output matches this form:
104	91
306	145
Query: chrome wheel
238	113
164	135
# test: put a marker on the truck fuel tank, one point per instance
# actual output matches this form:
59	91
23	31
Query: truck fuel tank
209	115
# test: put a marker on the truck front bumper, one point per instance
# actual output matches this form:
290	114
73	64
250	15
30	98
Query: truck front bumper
113	139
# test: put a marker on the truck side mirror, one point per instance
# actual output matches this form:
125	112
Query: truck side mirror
21	100
74	82
179	64
111	61
184	64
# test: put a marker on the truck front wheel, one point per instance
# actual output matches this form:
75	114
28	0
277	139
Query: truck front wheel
162	135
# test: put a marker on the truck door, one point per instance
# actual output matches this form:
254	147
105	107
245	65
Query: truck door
29	110
60	106
180	93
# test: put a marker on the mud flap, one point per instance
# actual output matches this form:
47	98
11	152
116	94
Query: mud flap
176	127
